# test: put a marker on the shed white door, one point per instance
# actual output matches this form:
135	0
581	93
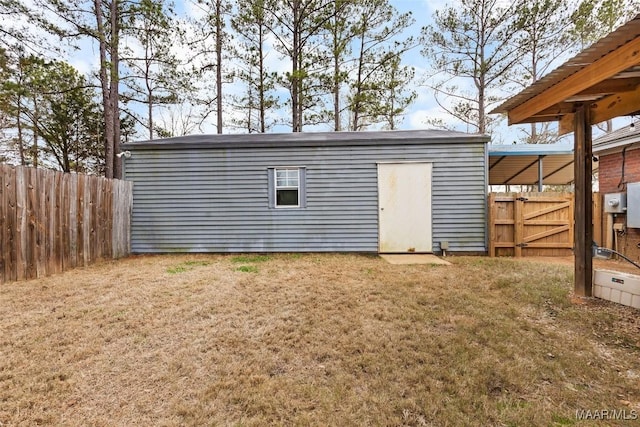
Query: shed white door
404	198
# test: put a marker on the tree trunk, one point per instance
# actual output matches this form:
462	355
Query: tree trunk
34	149
534	74
358	92
336	71
104	85
66	167
114	96
20	137
150	113
336	91
147	73
261	85
219	63
299	82
295	62
250	96
482	125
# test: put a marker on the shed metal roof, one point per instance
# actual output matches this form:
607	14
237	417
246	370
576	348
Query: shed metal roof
309	139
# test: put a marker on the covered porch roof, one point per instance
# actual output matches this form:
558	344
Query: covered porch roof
606	75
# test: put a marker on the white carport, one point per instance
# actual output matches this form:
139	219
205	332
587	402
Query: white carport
530	164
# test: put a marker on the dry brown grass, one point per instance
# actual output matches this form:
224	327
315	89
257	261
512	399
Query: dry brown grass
311	340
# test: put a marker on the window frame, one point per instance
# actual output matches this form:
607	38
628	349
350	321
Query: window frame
277	187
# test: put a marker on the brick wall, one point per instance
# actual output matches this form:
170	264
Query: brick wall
610	170
609	175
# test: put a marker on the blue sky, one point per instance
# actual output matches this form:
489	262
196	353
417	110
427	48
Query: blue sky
424	105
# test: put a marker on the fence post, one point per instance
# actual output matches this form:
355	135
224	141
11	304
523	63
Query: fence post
32	194
21	222
492	225
518	232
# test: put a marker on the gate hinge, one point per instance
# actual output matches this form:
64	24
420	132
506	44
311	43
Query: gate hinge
522	245
522	199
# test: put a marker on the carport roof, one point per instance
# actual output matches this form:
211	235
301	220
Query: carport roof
518	164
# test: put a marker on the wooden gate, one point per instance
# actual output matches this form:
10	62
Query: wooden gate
531	224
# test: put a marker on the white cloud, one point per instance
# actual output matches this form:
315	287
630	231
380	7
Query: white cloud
85	65
274	60
433	5
417	119
194	10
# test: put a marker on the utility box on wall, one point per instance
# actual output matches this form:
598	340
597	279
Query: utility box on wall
633	205
615	203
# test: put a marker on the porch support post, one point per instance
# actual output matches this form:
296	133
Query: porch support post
583	235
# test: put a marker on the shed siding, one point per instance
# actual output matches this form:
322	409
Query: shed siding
212	199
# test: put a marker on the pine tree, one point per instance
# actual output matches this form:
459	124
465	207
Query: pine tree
339	34
258	98
471	43
55	105
377	53
153	76
212	43
296	26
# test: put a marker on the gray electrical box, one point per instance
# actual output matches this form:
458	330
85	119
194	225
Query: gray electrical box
633	205
615	202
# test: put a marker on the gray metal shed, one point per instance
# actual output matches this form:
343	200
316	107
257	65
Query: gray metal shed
387	191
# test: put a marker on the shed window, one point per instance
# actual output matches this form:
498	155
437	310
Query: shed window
288	187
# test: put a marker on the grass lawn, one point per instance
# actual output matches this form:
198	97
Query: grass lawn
340	340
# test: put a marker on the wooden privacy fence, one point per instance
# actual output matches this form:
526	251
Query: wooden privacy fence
535	224
51	221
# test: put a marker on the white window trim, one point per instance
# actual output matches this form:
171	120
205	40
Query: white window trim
276	187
